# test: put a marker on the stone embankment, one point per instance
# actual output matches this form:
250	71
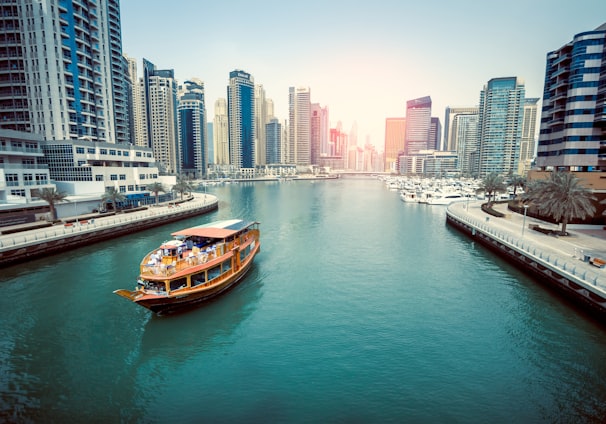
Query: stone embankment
570	264
25	245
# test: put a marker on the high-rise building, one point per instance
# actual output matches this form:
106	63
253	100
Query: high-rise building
221	133
193	140
529	134
464	135
435	134
273	131
395	136
450	129
319	132
573	119
500	126
160	100
241	119
299	115
66	73
137	106
418	125
261	118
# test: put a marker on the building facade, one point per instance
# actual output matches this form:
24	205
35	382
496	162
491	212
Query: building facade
299	115
573	118
395	142
273	131
450	142
193	140
500	126
529	135
241	120
221	133
418	125
63	70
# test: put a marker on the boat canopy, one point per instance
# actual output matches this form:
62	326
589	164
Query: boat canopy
216	230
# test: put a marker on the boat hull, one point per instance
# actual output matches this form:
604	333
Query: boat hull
162	305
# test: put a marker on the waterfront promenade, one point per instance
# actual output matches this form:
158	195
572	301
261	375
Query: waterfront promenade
565	261
18	246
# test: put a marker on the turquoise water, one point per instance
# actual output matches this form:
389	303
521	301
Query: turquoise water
360	308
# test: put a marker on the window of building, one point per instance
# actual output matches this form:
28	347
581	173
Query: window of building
112	152
28	179
18	193
80	150
122	177
113	177
103	151
122	189
98	177
131	188
41	179
12	180
90	150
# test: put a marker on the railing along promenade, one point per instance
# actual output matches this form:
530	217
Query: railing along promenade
562	257
87	230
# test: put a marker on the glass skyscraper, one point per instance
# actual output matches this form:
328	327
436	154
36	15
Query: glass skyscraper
193	140
241	119
500	126
573	119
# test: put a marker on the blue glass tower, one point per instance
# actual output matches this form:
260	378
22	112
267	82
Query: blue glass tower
192	130
241	119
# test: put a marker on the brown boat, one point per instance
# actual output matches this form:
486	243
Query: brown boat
198	264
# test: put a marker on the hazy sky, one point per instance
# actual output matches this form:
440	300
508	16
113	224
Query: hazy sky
363	61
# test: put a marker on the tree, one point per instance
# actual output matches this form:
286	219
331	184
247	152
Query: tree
52	196
517	181
562	197
113	196
492	184
156	188
183	186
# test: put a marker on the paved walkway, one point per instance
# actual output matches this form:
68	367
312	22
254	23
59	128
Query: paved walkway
86	223
567	252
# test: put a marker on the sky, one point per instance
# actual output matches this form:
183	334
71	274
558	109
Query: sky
362	60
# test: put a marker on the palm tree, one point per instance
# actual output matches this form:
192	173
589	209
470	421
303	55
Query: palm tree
52	196
113	196
562	197
183	186
492	184
517	181
156	188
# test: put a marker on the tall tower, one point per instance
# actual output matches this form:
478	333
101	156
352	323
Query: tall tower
500	126
221	133
160	96
260	121
395	135
66	70
418	125
319	132
193	141
573	119
529	132
241	119
299	111
450	128
464	135
273	130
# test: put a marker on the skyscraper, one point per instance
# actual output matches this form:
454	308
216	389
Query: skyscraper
261	118
299	115
193	141
319	132
450	129
66	70
464	136
529	133
159	97
395	136
573	120
273	130
418	125
221	133
500	126
241	119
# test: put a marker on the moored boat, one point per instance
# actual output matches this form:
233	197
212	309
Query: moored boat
198	264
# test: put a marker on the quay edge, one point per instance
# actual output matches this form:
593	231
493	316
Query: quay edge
585	294
31	245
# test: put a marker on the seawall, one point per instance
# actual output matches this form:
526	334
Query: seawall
572	277
26	245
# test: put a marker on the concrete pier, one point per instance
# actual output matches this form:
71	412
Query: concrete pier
565	263
25	245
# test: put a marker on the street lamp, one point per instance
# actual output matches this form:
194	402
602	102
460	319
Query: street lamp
524	220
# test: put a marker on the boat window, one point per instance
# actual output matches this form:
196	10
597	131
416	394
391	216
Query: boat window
226	265
178	284
197	279
244	253
214	272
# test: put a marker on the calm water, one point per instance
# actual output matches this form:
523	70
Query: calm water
360	308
